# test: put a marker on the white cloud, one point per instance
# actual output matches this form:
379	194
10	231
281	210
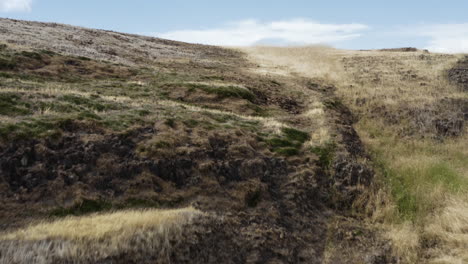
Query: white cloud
250	32
15	5
447	38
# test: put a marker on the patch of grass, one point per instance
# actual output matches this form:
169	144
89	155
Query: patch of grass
213	78
325	153
56	106
87	115
411	188
84	207
442	173
220	91
142	112
161	144
420	174
139	203
31	55
258	110
333	104
48	52
84	58
280	143
289	143
121	122
6	75
89	206
90	103
220	118
35	128
287	151
12	105
229	91
191	123
275	82
7	64
295	135
170	122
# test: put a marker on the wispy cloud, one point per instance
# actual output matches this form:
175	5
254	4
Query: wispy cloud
15	5
250	32
447	38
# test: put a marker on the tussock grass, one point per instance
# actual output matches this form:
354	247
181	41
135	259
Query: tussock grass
90	238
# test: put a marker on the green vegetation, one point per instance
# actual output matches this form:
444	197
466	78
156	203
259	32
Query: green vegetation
325	153
295	135
289	143
88	206
84	207
419	173
228	91
31	55
287	151
170	122
7	64
221	91
12	105
191	123
333	104
35	128
91	103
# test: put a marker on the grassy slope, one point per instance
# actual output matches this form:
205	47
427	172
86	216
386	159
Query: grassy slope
410	118
168	125
407	112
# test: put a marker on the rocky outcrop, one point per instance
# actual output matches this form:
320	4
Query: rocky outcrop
459	74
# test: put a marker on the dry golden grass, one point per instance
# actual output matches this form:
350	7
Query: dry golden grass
450	227
422	192
312	61
89	238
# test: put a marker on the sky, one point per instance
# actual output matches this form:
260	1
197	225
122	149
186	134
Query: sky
440	26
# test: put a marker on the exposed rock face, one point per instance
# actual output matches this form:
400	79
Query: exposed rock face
459	74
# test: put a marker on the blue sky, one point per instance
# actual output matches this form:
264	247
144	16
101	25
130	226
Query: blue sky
436	25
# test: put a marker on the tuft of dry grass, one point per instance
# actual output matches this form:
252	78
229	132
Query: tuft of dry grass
99	236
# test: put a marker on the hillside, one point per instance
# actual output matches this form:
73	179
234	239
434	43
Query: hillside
411	110
118	148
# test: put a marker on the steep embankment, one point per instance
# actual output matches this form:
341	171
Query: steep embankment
230	165
411	111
